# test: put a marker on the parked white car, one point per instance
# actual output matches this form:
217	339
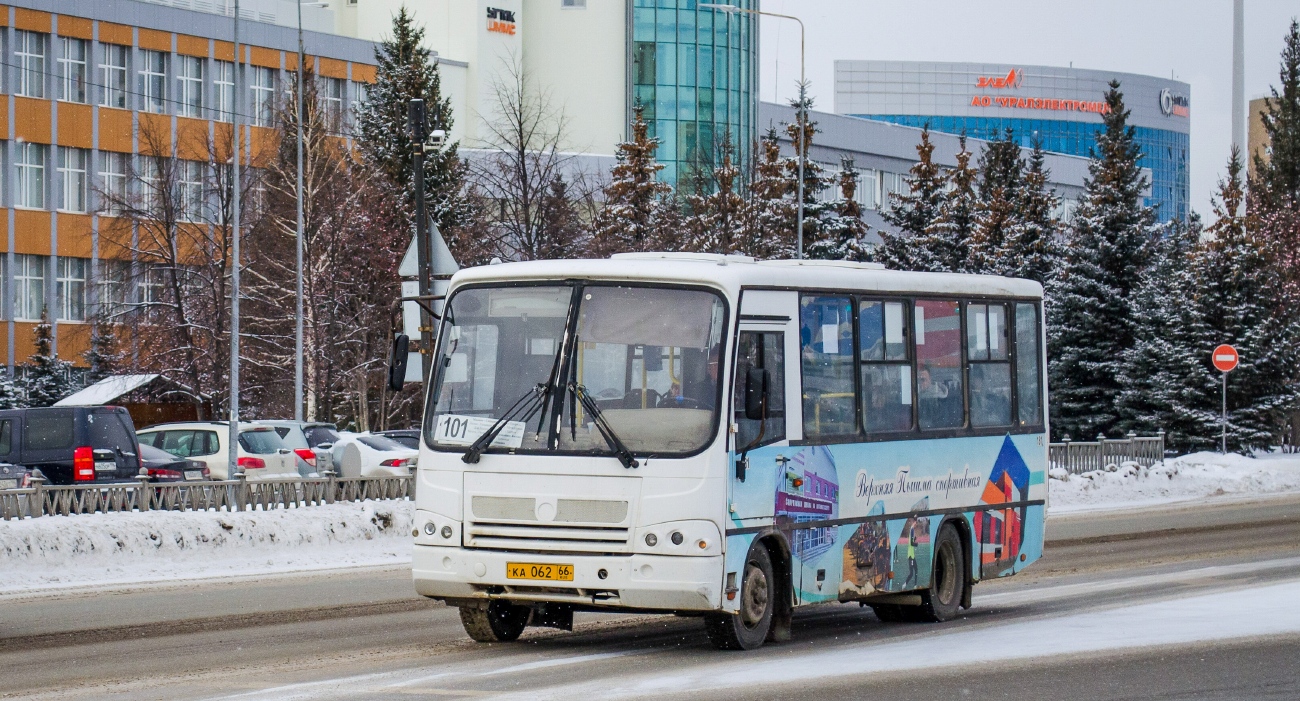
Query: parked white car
367	455
311	440
262	454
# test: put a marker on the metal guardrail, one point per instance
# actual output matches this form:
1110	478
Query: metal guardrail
1086	456
238	494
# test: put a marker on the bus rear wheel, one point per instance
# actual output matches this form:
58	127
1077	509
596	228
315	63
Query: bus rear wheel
947	579
747	629
497	621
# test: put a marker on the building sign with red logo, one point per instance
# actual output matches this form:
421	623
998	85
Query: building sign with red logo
500	21
1010	80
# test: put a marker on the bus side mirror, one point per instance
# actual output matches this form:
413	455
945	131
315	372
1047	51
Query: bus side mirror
397	362
756	386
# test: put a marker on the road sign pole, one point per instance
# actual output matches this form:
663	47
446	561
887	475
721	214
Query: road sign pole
1224	358
1223	435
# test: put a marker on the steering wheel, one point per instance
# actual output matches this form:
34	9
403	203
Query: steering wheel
669	402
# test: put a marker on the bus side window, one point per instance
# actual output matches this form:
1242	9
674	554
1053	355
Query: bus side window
886	368
1029	388
826	349
938	363
760	350
990	364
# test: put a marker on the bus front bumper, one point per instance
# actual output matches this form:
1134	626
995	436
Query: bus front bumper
670	583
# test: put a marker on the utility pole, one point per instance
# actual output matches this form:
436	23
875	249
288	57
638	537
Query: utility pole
234	267
418	126
298	241
1239	77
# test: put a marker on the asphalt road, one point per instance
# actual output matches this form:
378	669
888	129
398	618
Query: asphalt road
361	634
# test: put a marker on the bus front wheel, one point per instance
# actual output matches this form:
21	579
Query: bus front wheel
497	621
748	628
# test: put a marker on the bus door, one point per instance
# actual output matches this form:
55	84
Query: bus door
768	340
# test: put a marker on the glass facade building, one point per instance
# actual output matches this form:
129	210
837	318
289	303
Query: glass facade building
1163	151
1059	106
695	73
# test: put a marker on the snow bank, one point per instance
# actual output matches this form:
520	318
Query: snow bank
1190	477
65	551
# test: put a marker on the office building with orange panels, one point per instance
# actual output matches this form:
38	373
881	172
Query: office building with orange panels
81	82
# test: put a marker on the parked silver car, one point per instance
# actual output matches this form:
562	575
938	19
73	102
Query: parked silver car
310	440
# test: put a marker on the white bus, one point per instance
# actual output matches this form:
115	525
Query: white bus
709	435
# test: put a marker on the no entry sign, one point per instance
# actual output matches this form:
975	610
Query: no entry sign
1224	358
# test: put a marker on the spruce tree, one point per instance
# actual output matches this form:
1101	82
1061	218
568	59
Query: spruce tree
1155	392
843	231
946	244
998	213
102	357
717	220
1239	300
405	70
48	377
1029	250
1089	312
638	214
10	396
1277	171
912	214
770	213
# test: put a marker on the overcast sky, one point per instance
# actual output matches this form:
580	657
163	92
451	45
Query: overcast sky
1190	39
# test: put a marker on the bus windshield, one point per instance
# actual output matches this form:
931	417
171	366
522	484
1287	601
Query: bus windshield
647	357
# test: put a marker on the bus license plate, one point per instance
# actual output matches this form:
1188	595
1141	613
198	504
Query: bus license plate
548	573
105	466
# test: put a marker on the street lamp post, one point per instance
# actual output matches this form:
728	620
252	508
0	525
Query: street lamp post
234	265
300	243
801	113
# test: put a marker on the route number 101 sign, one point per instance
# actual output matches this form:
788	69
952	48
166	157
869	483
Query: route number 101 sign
456	429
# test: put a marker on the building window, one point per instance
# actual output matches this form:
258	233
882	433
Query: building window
868	192
191	189
112	70
29	50
262	85
360	93
29	287
153	81
29	161
112	181
72	175
72	288
72	69
111	284
151	188
151	285
223	89
189	86
331	94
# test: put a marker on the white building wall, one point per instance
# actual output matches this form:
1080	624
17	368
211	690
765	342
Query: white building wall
579	57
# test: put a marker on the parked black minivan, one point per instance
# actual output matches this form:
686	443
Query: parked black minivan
72	445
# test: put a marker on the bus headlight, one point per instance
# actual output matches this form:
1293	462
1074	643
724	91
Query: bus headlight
446	532
679	538
429	528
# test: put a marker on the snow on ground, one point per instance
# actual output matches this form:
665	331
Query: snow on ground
56	552
1269	610
1186	478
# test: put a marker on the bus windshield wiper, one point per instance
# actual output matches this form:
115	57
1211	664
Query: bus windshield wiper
525	407
606	431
